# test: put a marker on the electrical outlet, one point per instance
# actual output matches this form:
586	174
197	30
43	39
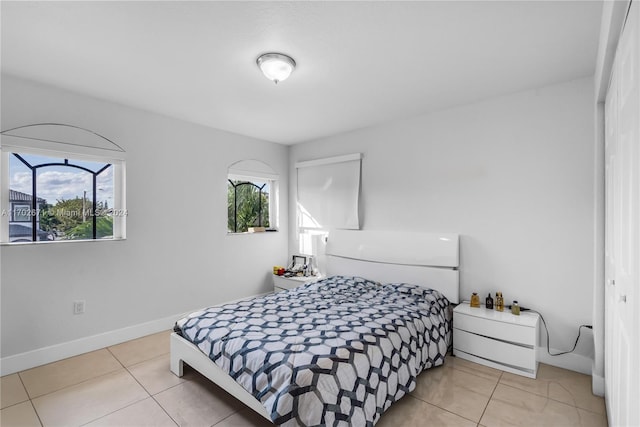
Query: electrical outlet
78	307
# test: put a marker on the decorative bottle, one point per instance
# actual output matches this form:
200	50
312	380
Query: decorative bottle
489	302
515	308
475	300
499	301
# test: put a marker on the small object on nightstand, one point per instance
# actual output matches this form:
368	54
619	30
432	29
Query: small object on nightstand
489	302
515	308
499	301
313	263
475	300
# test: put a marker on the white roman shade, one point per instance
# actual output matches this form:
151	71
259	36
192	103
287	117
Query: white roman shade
328	192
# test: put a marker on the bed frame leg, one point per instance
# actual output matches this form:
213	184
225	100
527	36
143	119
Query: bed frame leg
177	367
177	364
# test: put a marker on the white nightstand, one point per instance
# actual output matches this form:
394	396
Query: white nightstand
497	339
280	283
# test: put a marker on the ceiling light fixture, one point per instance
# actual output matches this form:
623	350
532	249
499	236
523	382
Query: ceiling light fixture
276	66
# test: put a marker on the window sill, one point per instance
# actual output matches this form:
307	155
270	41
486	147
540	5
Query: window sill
269	231
55	242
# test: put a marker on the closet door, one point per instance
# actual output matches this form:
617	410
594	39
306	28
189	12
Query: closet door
622	157
610	169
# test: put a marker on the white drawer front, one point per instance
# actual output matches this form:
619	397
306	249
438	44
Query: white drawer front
286	282
496	329
494	350
293	282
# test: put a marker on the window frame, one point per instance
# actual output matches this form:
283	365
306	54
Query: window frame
272	182
66	164
109	153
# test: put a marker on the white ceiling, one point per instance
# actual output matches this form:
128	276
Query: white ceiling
359	63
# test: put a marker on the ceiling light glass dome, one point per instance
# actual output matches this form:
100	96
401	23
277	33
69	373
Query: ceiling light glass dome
276	66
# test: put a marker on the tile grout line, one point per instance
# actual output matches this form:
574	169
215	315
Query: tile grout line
491	397
99	376
30	400
69	385
441	408
112	412
63	388
553	400
124	368
143	387
575	405
547	396
153	396
36	412
115	357
26	390
472	372
228	416
466	372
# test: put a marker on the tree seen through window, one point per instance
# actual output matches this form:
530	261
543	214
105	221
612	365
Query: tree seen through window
247	205
59	199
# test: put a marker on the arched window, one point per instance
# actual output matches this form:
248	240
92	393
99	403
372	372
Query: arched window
248	205
61	182
251	197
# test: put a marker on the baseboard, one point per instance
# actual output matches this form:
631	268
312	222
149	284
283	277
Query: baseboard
597	384
571	361
42	356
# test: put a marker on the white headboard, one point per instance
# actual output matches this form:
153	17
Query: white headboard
426	259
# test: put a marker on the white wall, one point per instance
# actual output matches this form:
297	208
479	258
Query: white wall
177	256
514	176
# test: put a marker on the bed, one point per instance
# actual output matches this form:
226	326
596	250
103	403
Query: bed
340	350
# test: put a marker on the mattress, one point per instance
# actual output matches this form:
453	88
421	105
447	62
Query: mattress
338	351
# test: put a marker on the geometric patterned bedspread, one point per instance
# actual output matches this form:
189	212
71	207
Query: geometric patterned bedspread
338	351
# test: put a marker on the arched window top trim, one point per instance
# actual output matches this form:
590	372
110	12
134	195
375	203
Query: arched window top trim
252	169
59	135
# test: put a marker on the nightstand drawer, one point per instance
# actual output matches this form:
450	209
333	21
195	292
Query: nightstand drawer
281	283
512	332
497	339
494	350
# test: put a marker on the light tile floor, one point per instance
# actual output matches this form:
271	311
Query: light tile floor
130	385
